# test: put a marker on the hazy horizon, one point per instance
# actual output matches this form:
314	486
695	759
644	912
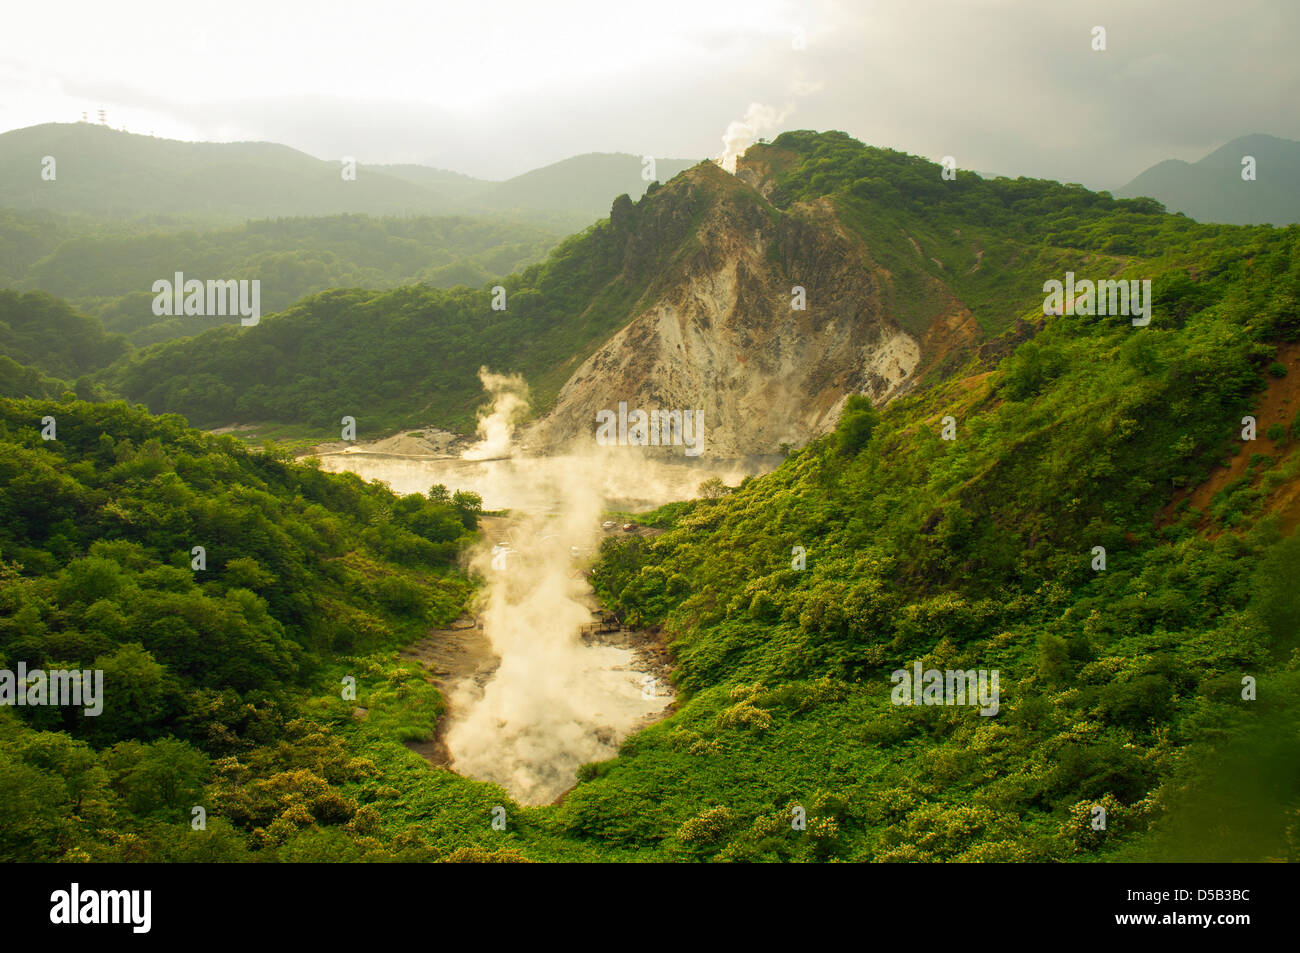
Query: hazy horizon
495	89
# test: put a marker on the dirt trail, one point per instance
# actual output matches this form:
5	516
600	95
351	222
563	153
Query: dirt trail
1277	405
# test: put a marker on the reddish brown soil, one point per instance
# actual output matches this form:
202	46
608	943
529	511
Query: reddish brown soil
1277	405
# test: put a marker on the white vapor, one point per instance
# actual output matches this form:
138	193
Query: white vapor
555	702
759	121
496	427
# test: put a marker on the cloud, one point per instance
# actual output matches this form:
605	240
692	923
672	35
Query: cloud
495	89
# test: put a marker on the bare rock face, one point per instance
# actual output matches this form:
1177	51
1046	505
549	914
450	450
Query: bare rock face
720	329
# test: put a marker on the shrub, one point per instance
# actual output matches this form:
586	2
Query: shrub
708	827
857	423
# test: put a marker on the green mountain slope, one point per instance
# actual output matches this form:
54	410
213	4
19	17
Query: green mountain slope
111	174
990	242
961	527
39	330
585	183
109	274
411	355
1120	687
937	250
207	667
104	172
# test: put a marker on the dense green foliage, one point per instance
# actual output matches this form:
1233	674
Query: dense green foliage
39	330
19	381
404	357
991	242
208	671
110	274
788	601
1120	688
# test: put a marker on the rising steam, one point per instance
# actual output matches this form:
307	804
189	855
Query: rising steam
741	133
556	701
496	427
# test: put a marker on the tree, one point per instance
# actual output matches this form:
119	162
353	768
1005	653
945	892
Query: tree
713	489
33	805
857	423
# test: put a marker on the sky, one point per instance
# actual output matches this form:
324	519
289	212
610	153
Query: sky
493	88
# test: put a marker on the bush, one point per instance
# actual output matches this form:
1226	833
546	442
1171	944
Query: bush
857	423
708	827
1137	702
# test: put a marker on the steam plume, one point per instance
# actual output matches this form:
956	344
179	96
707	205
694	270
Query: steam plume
496	428
555	702
740	135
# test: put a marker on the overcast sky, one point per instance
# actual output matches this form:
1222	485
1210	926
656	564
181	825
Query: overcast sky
493	87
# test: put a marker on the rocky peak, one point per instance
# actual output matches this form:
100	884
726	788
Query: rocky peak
721	329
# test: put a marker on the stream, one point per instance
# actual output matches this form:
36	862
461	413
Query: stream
535	685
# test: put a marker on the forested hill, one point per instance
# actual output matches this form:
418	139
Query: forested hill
411	355
216	589
1101	514
1101	526
951	264
108	173
107	269
45	344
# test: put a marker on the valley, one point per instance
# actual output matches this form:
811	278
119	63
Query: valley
536	685
905	465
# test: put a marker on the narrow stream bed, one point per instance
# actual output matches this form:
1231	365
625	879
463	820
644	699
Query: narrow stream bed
536	683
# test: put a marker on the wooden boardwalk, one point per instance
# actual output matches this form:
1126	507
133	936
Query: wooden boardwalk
605	625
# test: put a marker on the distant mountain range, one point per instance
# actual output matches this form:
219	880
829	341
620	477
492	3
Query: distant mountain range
683	300
104	172
1212	190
